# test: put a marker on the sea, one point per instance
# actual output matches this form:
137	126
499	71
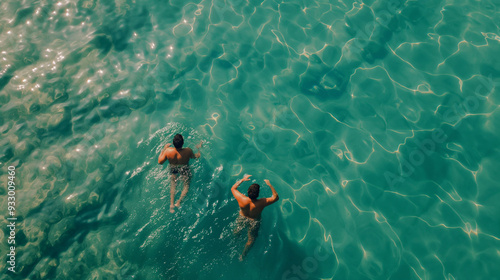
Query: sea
377	122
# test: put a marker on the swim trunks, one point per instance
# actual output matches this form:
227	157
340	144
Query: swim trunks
252	224
180	170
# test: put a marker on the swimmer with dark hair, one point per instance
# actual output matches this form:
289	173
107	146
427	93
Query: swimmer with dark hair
251	209
178	158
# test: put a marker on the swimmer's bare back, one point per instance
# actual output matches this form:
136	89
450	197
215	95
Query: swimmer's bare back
252	208
176	156
178	159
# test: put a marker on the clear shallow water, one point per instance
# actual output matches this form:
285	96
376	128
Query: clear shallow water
376	121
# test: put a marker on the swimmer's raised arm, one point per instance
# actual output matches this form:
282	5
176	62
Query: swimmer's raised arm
198	154
275	197
234	189
162	158
238	183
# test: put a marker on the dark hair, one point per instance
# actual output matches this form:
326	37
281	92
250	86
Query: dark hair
178	141
253	191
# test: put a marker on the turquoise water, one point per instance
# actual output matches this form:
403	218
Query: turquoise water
377	122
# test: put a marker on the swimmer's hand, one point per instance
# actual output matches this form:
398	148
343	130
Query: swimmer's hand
199	145
246	177
198	154
267	182
236	193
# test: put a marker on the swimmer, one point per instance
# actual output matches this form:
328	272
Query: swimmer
178	157
251	209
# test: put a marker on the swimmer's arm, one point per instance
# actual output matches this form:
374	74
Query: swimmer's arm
275	197
198	154
234	189
162	158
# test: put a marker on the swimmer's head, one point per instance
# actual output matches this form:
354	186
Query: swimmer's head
178	141
253	191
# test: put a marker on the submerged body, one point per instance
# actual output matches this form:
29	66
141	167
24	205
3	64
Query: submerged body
251	210
178	159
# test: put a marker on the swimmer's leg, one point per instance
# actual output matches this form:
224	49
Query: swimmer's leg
187	182
253	232
238	225
173	183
